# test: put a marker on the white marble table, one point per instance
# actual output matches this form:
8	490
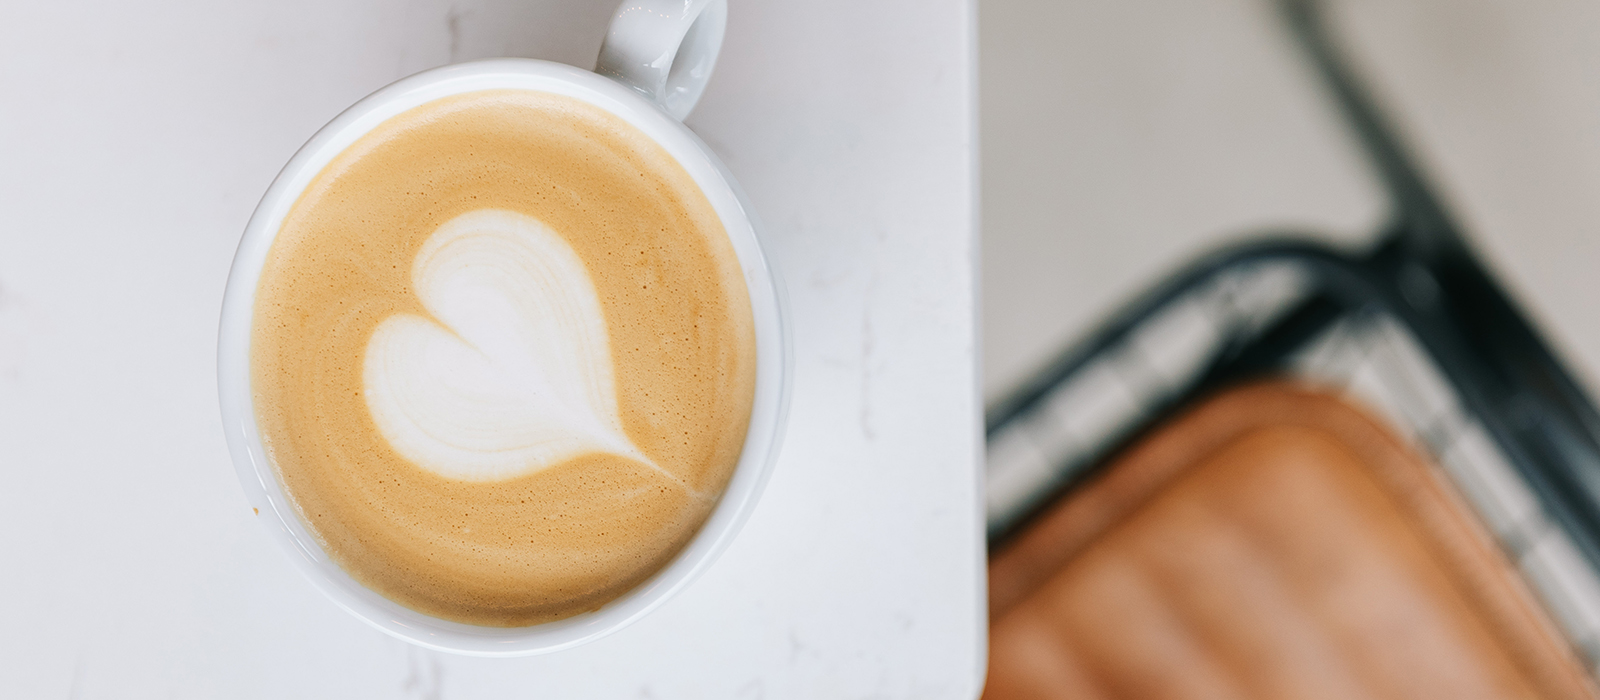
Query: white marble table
136	137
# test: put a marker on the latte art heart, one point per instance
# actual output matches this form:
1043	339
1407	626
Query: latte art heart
513	372
502	358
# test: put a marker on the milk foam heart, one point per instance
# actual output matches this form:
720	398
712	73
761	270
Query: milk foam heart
513	372
502	358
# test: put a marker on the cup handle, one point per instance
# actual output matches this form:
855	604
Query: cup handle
665	49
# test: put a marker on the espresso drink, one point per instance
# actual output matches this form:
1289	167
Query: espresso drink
503	358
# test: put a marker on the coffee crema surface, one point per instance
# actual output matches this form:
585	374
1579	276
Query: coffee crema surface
503	358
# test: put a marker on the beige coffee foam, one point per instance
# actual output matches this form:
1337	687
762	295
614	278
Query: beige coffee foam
557	542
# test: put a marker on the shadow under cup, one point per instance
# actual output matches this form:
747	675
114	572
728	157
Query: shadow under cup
260	481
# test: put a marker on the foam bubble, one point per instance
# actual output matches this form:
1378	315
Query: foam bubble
513	372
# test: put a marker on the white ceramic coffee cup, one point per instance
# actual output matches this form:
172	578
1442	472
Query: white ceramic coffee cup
653	67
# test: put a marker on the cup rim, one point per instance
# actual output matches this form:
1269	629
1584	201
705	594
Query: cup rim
769	410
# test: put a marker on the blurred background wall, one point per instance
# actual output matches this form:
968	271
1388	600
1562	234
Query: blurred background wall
1122	138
